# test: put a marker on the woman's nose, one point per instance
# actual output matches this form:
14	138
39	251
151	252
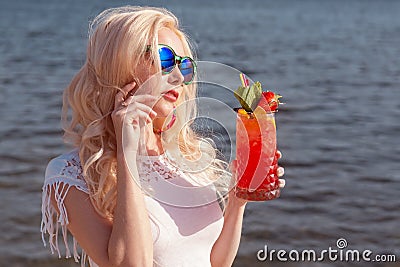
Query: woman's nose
175	77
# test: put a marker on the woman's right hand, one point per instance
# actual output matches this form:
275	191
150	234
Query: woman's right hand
131	112
126	247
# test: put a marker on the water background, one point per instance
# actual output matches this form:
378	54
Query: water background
336	63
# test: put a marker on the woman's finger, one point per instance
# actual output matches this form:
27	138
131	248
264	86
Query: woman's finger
128	88
280	171
121	96
282	183
143	116
149	100
138	118
141	107
119	99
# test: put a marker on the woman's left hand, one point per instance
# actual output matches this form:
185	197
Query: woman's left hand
234	200
280	172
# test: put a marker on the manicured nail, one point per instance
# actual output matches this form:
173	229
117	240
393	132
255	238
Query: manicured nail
280	171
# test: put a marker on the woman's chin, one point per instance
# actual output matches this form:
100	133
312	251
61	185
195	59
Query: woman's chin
164	108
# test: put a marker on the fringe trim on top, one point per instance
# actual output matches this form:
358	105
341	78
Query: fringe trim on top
52	221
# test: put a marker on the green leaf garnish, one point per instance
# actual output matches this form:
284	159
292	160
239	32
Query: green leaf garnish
249	96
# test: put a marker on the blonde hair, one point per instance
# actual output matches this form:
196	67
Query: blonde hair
117	45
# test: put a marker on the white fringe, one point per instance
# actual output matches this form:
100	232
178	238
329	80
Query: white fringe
51	221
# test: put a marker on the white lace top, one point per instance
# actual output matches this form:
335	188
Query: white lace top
185	219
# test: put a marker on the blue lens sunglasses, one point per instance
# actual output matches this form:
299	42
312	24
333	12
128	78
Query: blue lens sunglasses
169	59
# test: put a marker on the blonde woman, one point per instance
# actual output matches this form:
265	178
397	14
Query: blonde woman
110	191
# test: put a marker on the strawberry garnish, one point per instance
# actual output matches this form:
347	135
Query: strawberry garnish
269	96
271	99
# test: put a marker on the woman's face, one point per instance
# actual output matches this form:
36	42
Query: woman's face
171	90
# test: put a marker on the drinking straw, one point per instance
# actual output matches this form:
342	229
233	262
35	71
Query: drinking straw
245	81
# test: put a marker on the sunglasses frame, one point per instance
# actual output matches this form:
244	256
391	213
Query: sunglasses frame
177	61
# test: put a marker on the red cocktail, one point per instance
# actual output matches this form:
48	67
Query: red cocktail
256	155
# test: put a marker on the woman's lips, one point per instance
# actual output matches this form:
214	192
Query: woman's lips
171	95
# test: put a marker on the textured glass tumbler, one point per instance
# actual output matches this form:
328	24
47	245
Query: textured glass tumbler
257	157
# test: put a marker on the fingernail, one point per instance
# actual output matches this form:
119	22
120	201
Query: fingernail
280	171
153	113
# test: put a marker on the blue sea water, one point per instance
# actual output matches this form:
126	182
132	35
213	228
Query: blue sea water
336	63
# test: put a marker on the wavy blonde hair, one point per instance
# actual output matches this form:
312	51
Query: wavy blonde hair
117	45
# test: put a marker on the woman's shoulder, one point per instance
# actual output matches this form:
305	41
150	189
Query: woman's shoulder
65	168
62	173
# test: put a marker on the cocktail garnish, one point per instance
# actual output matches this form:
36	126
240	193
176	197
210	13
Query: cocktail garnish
251	96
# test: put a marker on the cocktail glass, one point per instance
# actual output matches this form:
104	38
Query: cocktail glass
256	155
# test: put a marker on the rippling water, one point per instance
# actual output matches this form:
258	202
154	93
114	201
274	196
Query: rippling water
336	63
